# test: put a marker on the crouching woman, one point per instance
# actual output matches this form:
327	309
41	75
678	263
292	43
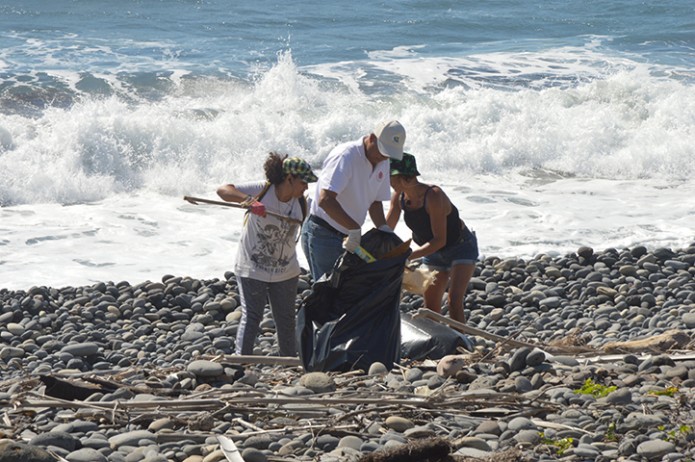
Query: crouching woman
446	245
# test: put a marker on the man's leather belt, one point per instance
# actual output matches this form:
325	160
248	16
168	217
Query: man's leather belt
324	224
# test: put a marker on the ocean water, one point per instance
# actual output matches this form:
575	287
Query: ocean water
550	124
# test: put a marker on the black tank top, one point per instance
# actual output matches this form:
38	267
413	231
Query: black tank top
418	221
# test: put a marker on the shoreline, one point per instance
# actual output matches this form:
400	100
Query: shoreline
170	342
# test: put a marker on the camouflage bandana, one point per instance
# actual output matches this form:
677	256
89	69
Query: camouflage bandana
405	166
299	168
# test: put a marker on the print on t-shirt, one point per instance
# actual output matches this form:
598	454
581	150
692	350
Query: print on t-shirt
272	252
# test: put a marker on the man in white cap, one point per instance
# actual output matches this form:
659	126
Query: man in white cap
354	180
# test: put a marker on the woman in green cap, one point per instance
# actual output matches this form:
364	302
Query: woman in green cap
446	245
267	269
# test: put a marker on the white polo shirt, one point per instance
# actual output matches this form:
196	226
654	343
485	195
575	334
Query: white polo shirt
347	172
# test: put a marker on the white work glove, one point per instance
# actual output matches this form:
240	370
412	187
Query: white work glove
352	241
385	228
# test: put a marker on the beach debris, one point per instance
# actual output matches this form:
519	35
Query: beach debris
229	449
672	339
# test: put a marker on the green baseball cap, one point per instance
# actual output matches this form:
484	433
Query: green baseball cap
406	166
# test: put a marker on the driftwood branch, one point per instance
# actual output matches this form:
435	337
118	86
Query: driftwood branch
505	341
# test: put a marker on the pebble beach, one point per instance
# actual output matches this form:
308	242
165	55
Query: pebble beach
144	372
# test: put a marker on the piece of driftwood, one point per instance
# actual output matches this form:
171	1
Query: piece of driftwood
641	357
252	359
503	341
660	343
461	327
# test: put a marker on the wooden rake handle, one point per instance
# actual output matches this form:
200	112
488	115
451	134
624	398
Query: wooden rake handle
200	200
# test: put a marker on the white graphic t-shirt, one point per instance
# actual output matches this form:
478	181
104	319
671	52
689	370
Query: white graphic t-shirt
268	246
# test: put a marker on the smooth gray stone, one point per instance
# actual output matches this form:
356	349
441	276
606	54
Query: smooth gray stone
318	382
86	455
377	368
565	360
368	446
6	317
77	426
689	320
518	360
413	374
204	368
11	451
522	384
81	349
489	427
131	438
677	371
640	421
520	423
327	442
551	302
399	424
291	447
58	439
95	443
535	358
295	391
392	436
419	432
527	436
655	449
9	352
473	442
473	452
586	450
258	442
155	458
15	328
350	441
621	396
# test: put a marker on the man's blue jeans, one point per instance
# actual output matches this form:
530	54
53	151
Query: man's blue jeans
321	247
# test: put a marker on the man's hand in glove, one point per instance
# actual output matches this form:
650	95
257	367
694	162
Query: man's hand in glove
352	241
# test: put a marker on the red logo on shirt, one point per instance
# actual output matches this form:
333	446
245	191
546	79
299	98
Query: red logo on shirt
381	175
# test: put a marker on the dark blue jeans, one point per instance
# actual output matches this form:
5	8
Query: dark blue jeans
321	247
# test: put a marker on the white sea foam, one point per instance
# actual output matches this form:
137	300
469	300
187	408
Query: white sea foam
93	191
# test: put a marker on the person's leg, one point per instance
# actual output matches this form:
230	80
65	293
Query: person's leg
282	303
253	295
460	277
464	257
321	247
434	293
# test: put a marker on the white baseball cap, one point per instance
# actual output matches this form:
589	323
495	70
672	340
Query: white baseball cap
390	138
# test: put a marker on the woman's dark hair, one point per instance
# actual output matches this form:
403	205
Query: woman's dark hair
273	168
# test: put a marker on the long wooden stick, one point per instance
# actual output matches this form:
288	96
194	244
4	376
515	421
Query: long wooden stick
425	313
200	200
255	359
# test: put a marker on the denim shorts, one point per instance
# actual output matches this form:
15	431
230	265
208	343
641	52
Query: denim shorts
464	252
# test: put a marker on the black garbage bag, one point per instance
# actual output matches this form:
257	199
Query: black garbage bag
351	318
423	338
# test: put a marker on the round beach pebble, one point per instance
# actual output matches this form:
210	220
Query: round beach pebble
204	368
